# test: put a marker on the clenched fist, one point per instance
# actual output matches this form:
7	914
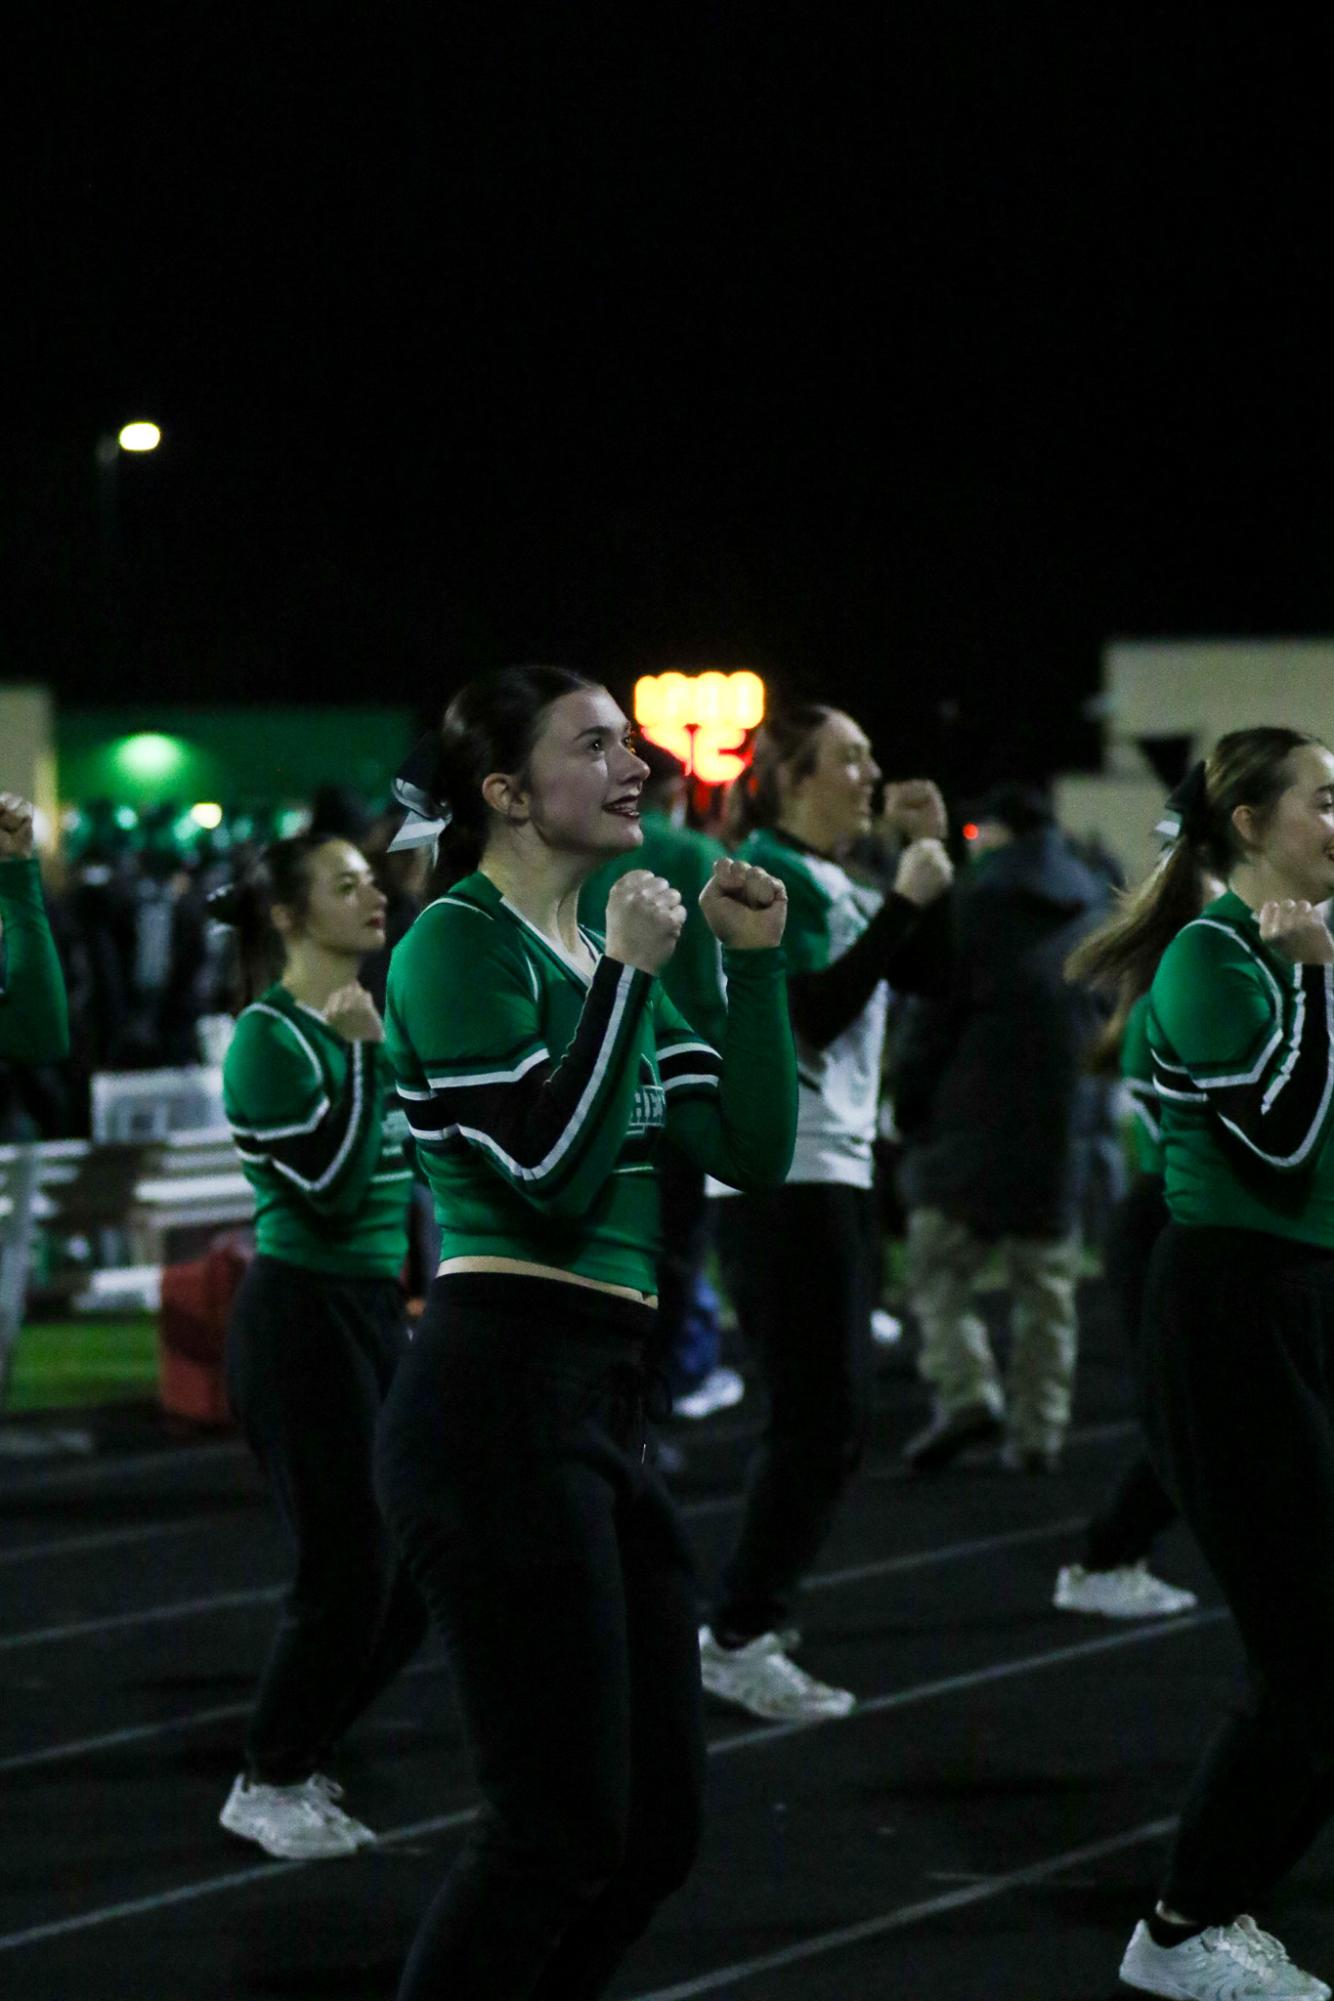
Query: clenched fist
352	1012
644	919
915	810
1299	931
924	873
15	827
745	907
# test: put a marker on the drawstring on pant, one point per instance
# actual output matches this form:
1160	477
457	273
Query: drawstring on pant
634	1394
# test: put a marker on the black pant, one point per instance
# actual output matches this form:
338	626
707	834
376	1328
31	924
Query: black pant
1139	1507
1239	1355
687	1220
801	1266
513	1468
309	1360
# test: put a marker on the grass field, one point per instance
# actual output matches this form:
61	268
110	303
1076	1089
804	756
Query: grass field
90	1361
106	1359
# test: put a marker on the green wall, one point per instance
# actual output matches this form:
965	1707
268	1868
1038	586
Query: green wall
239	757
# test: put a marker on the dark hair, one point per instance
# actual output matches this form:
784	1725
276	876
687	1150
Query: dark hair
1245	768
281	875
490	725
785	740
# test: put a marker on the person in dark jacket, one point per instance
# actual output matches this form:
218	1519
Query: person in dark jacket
986	1101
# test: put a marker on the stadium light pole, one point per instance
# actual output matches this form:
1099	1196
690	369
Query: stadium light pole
132	439
135	438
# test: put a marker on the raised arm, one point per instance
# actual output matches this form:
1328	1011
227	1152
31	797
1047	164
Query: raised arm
1263	1068
325	1144
735	1113
465	1039
34	1012
907	942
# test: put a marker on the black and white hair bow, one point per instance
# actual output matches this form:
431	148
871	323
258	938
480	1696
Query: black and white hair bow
413	786
1188	808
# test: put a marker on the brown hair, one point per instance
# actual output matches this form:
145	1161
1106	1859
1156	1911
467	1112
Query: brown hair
491	724
1245	768
281	875
785	740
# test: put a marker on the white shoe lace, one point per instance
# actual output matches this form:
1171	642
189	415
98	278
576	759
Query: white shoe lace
323	1794
1273	1950
1138	1583
778	1667
1243	1942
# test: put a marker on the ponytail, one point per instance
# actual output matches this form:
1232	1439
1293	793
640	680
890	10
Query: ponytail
1245	768
1121	956
245	905
491	724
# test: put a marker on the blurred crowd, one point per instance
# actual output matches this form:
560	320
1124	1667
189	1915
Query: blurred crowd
148	973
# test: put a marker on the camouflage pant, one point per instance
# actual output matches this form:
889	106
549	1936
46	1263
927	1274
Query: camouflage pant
944	1259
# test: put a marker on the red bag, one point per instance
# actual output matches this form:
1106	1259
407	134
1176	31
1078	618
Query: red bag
192	1332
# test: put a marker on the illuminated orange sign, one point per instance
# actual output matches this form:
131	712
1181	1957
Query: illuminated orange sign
701	718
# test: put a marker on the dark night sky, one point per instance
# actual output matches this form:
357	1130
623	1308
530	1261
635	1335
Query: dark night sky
907	353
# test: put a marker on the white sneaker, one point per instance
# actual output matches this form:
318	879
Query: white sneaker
1129	1592
886	1328
720	1389
1236	1962
761	1679
291	1821
326	1793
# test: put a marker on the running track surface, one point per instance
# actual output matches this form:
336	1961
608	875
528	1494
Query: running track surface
986	1827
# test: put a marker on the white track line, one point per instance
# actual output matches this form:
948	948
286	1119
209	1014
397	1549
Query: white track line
170	1457
230	1601
80	1545
143	1733
921	1559
740	1740
909	1914
154	1615
211	1886
720	1504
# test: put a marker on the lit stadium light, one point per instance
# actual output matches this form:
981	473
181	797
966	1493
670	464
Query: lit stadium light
702	719
139	437
206	813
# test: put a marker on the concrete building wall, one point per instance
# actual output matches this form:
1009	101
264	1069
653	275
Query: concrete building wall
27	752
1195	688
1204	687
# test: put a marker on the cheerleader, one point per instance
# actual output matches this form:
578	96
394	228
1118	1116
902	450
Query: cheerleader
317	1329
540	1065
1239	1337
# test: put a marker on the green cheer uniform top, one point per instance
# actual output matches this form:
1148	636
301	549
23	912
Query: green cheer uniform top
1145	1122
34	1013
1243	1058
319	1139
536	1093
845	943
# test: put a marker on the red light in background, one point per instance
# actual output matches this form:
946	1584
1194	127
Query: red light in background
969	830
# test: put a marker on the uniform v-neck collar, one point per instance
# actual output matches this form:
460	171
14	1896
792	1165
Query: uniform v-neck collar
485	890
557	951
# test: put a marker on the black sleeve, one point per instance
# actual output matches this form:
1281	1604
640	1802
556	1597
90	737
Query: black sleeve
1279	1103
903	944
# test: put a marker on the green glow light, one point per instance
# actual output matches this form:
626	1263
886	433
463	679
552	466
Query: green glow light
149	755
